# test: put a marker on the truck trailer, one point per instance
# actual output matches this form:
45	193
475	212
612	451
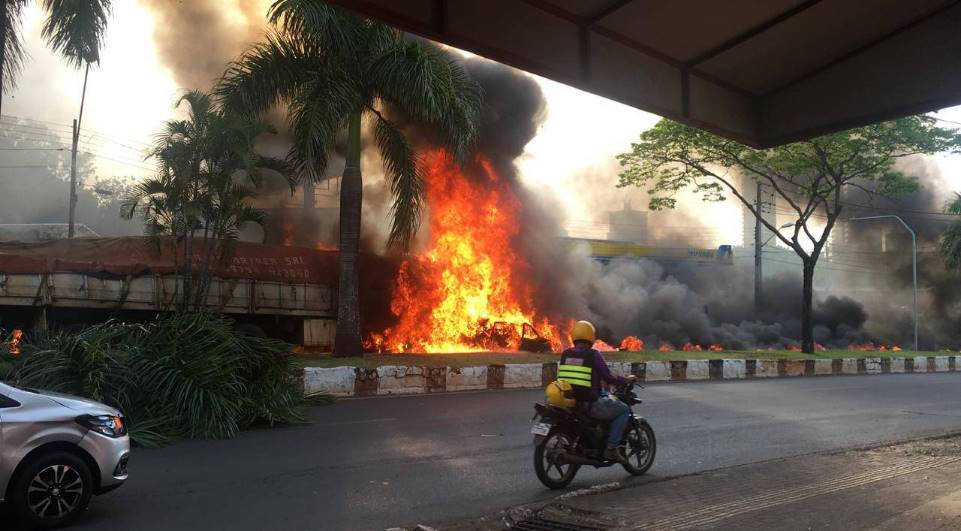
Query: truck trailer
283	292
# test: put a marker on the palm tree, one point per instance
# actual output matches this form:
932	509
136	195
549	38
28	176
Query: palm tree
332	70
207	170
950	246
74	28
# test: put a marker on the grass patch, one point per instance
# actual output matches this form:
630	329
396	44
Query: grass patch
490	358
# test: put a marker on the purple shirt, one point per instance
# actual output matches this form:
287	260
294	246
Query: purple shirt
588	357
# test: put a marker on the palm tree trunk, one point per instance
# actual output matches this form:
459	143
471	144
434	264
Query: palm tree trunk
204	267
347	341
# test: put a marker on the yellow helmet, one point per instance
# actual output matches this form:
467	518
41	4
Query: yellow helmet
583	331
560	394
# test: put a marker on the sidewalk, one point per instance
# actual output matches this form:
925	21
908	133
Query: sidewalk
906	486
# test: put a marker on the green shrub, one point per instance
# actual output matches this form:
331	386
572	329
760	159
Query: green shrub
184	375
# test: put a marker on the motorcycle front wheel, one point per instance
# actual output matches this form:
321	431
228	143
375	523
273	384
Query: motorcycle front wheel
554	475
641	447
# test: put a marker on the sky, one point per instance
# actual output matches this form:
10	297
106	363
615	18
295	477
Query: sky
131	92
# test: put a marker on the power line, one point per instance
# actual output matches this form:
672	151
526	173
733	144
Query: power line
32	149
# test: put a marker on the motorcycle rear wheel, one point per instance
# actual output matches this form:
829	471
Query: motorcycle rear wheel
641	447
552	474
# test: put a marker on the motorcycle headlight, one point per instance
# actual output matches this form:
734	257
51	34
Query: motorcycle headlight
109	425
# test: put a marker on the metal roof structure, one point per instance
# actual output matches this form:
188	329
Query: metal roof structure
763	72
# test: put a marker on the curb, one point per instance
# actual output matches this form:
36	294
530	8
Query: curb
409	380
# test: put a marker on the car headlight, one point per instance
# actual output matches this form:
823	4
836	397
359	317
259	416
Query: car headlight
109	425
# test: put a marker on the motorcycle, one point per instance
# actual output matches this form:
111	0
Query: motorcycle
566	439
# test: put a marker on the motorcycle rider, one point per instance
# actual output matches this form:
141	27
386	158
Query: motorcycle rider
584	368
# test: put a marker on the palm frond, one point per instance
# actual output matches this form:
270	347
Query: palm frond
11	49
269	73
954	206
950	246
332	29
319	110
405	177
75	28
428	85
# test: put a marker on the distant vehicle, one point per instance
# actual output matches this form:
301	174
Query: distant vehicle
56	451
567	438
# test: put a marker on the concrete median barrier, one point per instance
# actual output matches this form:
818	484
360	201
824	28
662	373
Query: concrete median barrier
408	380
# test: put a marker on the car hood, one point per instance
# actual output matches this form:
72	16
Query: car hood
84	405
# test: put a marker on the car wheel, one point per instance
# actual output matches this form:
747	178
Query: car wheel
52	490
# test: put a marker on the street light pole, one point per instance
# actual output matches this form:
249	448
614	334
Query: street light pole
914	265
758	275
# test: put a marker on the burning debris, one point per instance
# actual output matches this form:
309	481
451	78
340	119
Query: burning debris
632	344
466	291
13	346
602	346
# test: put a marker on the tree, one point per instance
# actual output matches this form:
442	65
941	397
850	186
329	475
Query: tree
74	28
332	69
207	169
808	176
950	245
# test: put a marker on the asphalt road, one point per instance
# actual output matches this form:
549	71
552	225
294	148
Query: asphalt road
374	463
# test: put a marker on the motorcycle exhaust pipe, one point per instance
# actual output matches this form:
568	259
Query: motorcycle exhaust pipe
568	459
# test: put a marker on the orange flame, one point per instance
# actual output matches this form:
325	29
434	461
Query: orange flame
716	348
14	346
466	292
794	348
665	347
632	344
820	348
601	346
288	234
691	347
896	348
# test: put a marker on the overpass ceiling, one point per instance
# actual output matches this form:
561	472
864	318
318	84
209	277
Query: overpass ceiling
763	72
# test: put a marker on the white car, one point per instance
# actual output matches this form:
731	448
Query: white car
56	451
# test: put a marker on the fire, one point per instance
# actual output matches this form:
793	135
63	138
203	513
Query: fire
665	347
794	348
716	348
896	348
466	293
691	347
601	346
321	246
820	348
288	234
632	344
14	345
863	347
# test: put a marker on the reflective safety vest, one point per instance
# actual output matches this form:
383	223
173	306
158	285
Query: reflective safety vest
575	375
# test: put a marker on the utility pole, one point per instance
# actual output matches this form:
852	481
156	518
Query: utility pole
73	180
758	283
73	160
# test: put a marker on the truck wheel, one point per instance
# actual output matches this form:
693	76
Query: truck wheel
52	490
